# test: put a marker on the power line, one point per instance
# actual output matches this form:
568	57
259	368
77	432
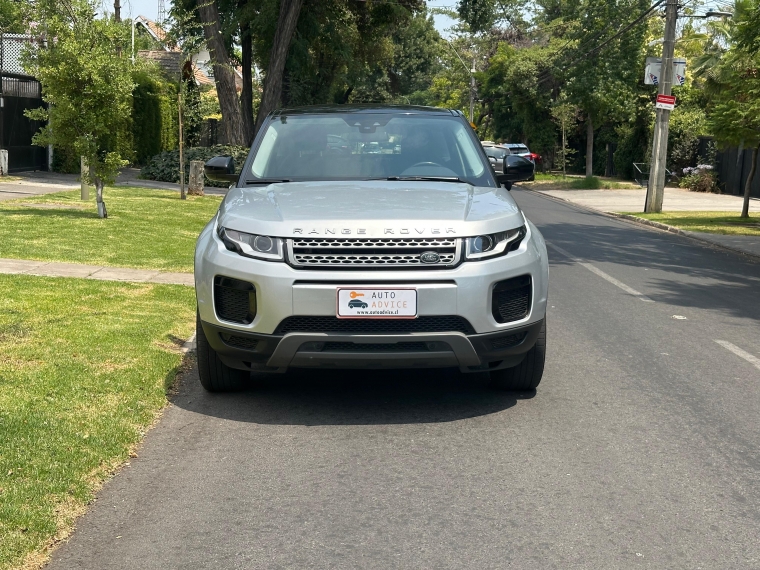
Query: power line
618	34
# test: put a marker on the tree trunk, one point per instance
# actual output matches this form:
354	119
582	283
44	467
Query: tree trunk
286	27
224	75
102	212
748	184
589	147
246	96
195	186
739	165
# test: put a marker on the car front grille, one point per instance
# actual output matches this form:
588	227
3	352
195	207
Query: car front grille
356	253
511	299
443	323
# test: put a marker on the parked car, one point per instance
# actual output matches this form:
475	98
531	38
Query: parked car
496	154
524	151
420	258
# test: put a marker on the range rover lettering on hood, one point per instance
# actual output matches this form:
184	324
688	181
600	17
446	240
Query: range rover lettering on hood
363	231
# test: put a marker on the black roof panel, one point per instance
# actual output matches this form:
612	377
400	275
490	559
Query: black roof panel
368	109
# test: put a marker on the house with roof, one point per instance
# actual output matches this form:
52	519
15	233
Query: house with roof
172	60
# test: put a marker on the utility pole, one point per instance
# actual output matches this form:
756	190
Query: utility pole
117	10
656	186
472	92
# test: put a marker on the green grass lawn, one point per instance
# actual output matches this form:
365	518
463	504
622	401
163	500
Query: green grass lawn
728	223
84	370
576	182
145	228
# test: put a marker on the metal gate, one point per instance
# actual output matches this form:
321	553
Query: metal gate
19	92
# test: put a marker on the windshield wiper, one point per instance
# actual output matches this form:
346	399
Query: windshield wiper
431	179
267	180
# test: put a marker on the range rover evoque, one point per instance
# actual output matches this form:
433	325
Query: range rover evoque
370	237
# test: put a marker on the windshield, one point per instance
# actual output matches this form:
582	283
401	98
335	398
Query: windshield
518	148
359	146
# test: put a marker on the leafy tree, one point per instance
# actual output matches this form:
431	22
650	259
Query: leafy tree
87	86
735	116
601	81
14	16
566	115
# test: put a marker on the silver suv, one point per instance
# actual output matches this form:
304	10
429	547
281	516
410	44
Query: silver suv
398	248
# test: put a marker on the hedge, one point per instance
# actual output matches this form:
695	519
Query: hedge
165	166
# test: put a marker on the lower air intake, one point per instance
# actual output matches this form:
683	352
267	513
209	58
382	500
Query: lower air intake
443	323
234	300
511	299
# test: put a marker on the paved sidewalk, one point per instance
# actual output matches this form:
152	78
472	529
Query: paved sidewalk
39	183
129	177
33	186
55	269
632	200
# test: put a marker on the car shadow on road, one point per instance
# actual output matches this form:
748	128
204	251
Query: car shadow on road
350	397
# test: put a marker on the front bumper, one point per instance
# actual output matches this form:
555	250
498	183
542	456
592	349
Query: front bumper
282	291
277	353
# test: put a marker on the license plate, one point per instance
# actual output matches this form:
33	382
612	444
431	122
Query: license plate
364	303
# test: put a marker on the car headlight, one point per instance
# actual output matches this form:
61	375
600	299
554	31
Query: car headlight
251	245
493	245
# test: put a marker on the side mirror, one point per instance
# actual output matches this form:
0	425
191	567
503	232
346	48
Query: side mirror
503	180
221	169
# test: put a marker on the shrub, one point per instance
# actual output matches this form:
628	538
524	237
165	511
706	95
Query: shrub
154	110
165	166
700	178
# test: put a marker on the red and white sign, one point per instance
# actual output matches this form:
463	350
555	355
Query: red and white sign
666	102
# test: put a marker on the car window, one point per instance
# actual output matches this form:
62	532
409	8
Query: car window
496	152
355	146
518	148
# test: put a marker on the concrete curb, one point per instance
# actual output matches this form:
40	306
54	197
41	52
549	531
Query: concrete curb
644	222
658	225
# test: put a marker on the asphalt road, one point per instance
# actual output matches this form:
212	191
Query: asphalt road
639	449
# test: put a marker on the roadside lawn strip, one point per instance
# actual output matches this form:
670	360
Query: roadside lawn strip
84	365
145	228
84	371
727	223
575	182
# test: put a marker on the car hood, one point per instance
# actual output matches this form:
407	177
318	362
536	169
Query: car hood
370	208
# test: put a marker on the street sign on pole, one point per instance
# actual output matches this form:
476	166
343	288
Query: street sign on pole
666	102
652	71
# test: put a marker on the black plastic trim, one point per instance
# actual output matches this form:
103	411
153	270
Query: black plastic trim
267	343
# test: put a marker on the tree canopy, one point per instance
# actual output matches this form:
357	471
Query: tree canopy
87	87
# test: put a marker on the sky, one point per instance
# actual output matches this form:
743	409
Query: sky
149	9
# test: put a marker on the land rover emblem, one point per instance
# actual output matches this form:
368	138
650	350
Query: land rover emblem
430	257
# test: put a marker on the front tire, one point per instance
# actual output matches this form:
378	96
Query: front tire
215	375
526	375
